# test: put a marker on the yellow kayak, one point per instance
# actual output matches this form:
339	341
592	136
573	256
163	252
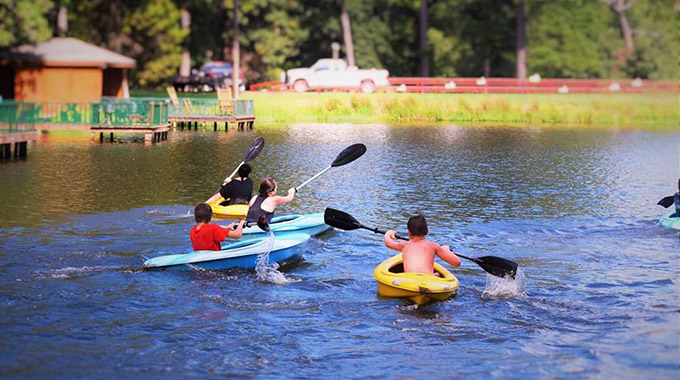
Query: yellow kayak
420	288
228	212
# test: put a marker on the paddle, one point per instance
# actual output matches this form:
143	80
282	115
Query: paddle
348	155
253	150
496	266
666	202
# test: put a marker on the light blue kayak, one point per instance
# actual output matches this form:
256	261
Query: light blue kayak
310	224
668	222
240	254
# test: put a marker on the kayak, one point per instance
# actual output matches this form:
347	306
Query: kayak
240	254
228	212
668	222
310	224
420	288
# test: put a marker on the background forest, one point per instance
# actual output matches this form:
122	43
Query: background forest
564	38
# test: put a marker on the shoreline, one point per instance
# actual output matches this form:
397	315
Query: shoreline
638	111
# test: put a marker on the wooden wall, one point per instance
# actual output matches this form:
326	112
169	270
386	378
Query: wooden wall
58	84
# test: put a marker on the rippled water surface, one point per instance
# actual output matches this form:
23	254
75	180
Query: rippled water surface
575	208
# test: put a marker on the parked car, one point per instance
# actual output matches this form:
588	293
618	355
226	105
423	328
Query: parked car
331	73
212	75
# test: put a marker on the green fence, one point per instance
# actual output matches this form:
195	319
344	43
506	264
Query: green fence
123	114
199	107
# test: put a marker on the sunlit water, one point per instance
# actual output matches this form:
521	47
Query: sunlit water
597	295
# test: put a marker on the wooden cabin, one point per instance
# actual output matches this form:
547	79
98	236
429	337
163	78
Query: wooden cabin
63	70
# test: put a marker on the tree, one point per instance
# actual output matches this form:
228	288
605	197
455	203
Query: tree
347	34
423	26
24	22
155	40
620	7
521	42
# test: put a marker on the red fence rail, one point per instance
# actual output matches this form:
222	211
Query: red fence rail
507	86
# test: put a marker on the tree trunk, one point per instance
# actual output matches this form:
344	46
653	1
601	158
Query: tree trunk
185	66
347	34
236	56
521	43
424	56
620	7
62	21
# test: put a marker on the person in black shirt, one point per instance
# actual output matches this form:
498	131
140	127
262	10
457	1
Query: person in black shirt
265	202
239	190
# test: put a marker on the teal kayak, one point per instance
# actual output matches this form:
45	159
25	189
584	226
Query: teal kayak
310	224
668	222
239	254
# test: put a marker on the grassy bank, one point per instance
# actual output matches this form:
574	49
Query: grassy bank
650	111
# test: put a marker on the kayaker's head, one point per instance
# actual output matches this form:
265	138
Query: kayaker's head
417	226
267	187
203	213
244	171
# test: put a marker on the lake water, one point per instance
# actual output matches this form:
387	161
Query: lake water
576	208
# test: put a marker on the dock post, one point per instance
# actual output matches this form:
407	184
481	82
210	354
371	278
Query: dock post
6	150
23	148
101	137
226	126
215	126
111	137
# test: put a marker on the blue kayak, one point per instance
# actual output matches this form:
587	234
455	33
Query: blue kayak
240	254
668	222
310	224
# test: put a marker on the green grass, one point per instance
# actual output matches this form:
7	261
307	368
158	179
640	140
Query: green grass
655	111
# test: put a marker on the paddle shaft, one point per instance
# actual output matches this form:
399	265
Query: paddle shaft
236	170
311	179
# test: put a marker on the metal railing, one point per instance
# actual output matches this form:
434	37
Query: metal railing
197	107
123	114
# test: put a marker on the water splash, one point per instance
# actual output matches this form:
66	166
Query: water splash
505	287
266	271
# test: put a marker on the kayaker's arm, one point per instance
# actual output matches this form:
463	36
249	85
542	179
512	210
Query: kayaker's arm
391	242
234	230
287	199
444	253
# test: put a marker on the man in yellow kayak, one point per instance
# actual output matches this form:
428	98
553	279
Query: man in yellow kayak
418	252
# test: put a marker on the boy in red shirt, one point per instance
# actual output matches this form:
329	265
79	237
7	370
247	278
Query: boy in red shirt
206	236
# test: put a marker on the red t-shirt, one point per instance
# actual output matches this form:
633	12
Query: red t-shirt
208	238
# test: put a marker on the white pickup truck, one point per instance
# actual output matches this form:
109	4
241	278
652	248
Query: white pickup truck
334	73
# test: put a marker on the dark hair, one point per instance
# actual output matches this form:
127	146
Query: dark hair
202	213
244	170
417	225
267	186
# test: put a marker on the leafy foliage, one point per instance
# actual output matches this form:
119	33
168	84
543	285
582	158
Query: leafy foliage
565	38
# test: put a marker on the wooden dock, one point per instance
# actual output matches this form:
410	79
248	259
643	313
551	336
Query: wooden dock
152	133
20	140
241	123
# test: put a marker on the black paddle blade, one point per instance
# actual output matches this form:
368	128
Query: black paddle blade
497	266
338	219
254	149
262	223
349	154
666	202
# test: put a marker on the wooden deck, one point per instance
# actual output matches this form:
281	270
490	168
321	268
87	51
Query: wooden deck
20	140
187	121
153	133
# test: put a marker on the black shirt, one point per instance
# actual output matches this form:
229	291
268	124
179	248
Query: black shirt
237	192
